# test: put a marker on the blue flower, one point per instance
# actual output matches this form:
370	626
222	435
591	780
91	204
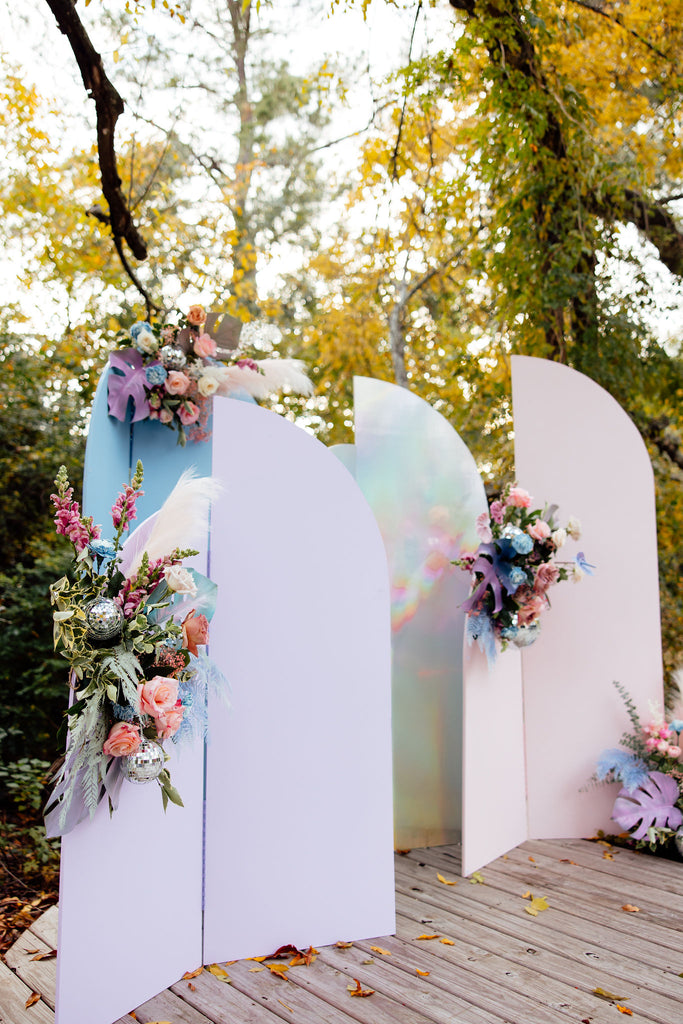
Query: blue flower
102	548
676	725
509	632
141	325
123	712
520	542
156	374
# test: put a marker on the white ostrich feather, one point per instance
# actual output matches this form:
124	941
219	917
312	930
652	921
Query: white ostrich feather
182	521
276	375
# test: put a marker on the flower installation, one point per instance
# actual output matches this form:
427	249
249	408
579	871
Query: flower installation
170	372
513	569
649	807
126	620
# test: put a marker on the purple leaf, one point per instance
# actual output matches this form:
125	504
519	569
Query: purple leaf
651	804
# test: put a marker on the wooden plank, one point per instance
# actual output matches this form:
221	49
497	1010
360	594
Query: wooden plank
168	1006
46	926
660	872
13	996
512	876
567	963
319	994
379	973
487	900
221	1003
39	975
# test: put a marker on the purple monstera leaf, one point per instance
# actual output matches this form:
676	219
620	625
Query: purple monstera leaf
651	804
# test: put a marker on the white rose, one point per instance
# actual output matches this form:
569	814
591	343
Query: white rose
207	385
559	537
146	342
574	528
180	580
576	574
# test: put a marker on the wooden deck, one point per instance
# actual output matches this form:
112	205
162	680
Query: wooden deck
468	953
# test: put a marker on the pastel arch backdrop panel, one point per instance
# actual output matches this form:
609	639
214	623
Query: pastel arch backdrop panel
426	492
574	445
298	802
131	884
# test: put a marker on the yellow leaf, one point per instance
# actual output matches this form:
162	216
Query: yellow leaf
423	974
218	972
33	998
356	990
280	970
537	903
343	945
526	895
477	878
630	909
604	994
624	1009
448	942
188	975
418	937
378	949
253	970
257	959
445	881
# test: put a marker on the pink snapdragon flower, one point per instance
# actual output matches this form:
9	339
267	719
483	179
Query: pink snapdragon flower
68	520
497	511
123	509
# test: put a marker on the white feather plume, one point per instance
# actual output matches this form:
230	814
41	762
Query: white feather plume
182	521
277	375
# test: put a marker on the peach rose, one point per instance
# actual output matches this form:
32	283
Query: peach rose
167	725
165	415
539	530
188	413
177	383
123	739
196	316
195	631
519	497
547	575
530	611
157	696
204	346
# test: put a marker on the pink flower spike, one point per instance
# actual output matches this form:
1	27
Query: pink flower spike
497	511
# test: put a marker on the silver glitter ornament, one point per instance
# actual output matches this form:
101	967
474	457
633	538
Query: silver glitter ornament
172	357
678	841
145	764
104	620
526	635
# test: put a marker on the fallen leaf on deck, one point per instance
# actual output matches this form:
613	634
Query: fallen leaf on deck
257	959
282	952
448	942
477	878
526	895
607	855
285	1006
445	881
630	909
279	970
367	962
192	974
218	972
537	904
603	842
192	988
610	996
532	859
47	955
378	949
403	852
255	970
307	957
343	945
356	990
28	951
33	998
624	1009
566	860
423	974
418	937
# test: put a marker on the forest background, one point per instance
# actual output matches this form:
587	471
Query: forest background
416	202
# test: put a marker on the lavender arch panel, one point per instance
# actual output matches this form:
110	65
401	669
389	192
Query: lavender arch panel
576	446
298	802
140	865
425	491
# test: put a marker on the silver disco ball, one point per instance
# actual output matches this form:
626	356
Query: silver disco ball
104	620
526	635
172	357
145	764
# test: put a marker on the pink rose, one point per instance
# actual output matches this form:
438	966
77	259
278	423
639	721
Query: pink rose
530	611
497	511
204	346
177	383
484	527
157	696
166	416
168	724
547	574
519	497
123	739
674	751
539	530
188	413
196	316
195	631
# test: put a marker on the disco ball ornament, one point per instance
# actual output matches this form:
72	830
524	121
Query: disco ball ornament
145	764
104	620
526	635
172	357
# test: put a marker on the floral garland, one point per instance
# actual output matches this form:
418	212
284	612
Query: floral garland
649	807
513	569
136	673
172	371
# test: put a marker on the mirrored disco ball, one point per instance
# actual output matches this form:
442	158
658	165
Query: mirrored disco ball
104	619
172	357
145	764
527	635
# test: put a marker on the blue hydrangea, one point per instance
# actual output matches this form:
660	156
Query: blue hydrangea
517	576
141	325
156	374
102	548
509	632
123	712
522	543
676	725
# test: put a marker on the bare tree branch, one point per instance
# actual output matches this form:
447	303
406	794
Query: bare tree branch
151	306
109	106
394	158
617	19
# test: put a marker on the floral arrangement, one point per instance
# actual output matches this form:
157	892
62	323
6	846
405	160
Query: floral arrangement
126	622
649	807
172	371
513	569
